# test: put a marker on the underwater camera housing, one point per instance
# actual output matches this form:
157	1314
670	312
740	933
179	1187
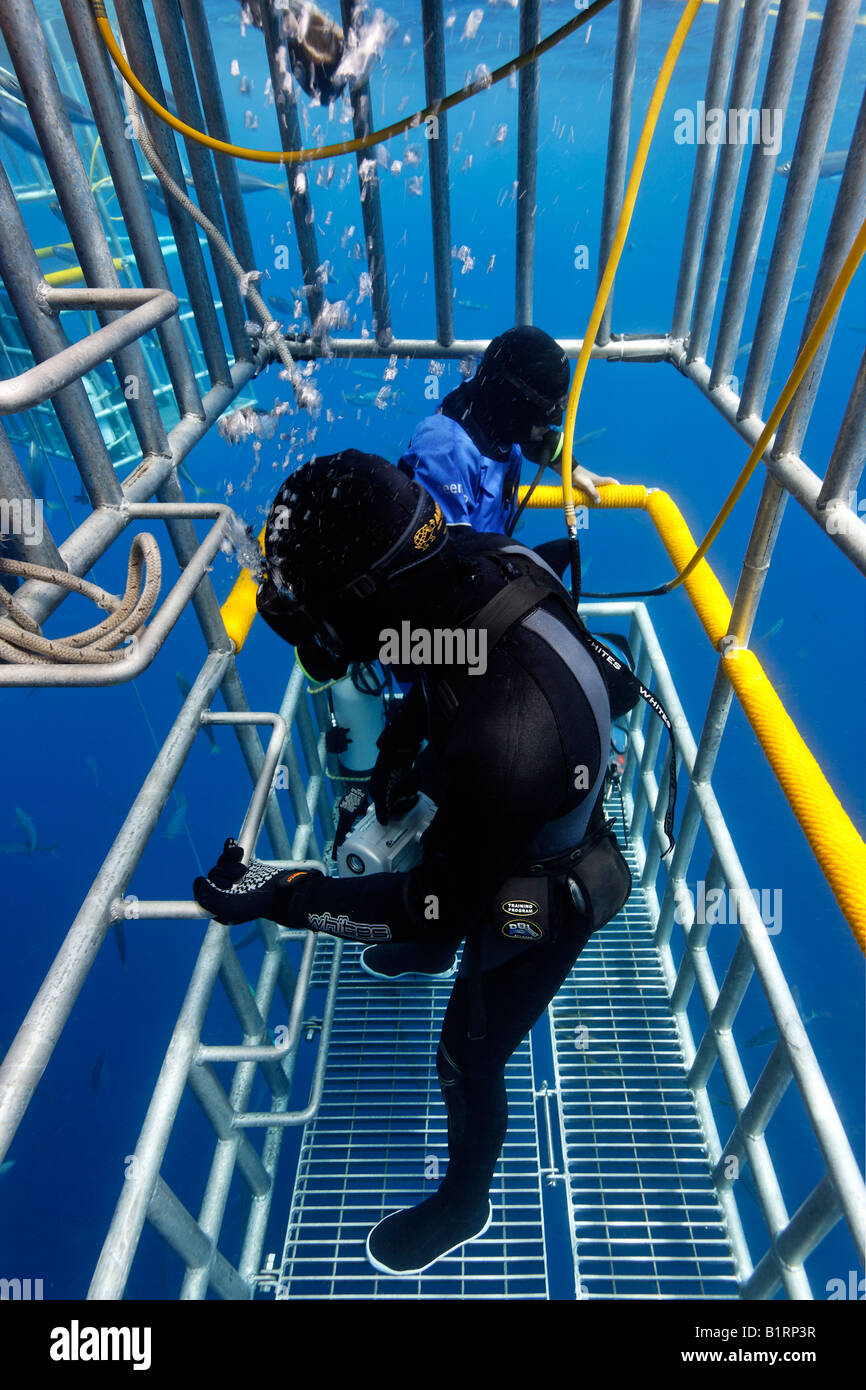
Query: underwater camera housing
371	848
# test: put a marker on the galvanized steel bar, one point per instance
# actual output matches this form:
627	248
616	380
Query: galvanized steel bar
849	453
848	214
179	1229
527	161
215	1103
787	37
184	91
148	643
185	544
18	539
371	206
796	478
743	81
210	91
625	59
822	94
142	60
297	175
721	60
29	53
767	1092
638	348
232	691
22	274
49	376
264	786
433	29
38	1035
251	1017
291	1118
807	1228
95	534
109	112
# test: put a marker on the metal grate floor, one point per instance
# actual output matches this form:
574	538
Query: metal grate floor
643	1215
645	1219
379	1143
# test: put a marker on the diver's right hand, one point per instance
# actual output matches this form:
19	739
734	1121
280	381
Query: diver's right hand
237	892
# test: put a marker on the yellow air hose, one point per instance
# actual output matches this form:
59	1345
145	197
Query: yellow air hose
365	142
630	198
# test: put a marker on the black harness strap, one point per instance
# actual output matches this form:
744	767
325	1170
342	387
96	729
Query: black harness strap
529	585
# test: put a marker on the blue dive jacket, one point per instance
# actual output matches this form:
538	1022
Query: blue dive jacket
471	488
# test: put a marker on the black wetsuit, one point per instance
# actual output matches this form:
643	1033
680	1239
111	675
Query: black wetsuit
519	769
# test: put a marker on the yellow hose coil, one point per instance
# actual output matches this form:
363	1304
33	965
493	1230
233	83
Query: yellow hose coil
832	836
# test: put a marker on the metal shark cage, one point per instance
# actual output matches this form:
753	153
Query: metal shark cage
616	1157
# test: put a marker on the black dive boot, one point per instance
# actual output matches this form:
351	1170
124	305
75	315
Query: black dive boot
409	1241
398	960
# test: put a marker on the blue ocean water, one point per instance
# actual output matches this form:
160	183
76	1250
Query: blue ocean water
74	760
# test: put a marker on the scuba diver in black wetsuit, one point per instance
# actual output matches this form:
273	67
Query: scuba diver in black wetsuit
355	548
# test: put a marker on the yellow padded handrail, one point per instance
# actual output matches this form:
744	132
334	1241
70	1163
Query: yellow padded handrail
832	836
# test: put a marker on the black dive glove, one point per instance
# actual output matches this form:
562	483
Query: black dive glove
237	892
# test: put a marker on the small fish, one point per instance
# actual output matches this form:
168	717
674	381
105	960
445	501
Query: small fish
831	165
120	940
719	1100
81	498
176	824
6	1167
746	348
771	1035
28	827
360	397
15	124
588	438
19	847
771	632
283	306
94	770
471	304
801	298
184	473
36	468
183	684
61	252
78	114
97	1073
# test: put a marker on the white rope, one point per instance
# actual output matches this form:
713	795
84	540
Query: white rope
21	639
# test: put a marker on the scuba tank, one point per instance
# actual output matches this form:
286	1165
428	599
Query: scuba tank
357	719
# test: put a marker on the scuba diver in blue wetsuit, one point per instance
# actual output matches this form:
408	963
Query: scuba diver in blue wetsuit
354	549
469	454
